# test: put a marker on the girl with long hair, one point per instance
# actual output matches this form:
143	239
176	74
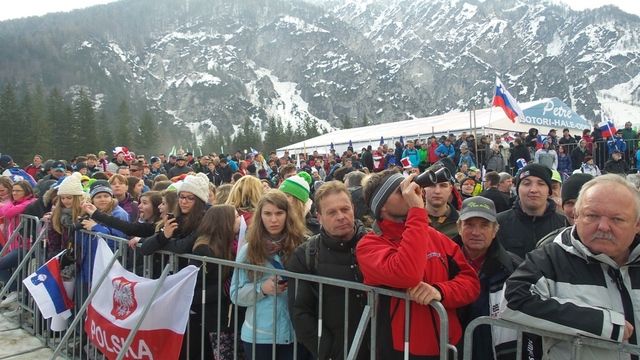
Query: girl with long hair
244	196
181	226
218	239
135	185
272	237
21	196
66	211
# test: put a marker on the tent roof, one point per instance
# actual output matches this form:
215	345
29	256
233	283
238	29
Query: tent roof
545	114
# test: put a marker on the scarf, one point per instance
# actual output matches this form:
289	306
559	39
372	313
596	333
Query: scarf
274	245
66	217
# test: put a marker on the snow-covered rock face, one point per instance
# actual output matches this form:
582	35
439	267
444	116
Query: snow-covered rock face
388	60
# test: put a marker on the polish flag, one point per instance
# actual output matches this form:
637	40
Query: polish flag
120	301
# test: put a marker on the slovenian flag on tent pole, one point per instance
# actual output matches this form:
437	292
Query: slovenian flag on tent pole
503	99
607	127
45	285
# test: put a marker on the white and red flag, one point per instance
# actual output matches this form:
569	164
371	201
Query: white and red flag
119	303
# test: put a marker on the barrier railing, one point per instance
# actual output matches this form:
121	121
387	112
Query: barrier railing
577	342
73	343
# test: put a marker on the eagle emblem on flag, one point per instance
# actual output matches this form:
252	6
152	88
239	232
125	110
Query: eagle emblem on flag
124	299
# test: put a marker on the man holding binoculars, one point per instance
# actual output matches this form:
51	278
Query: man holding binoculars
404	252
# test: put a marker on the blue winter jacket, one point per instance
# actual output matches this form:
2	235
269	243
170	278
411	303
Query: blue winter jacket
443	151
413	155
616	143
244	293
90	243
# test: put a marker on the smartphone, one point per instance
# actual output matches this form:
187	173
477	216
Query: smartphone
170	216
283	281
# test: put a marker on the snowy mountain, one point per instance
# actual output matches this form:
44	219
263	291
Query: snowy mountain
208	65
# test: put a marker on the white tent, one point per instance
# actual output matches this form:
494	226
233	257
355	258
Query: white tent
543	115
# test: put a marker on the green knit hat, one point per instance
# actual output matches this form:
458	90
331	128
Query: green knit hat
297	187
305	175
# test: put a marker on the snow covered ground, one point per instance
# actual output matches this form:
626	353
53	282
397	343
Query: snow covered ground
17	344
620	112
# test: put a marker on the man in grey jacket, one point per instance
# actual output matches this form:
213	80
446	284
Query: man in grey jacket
584	283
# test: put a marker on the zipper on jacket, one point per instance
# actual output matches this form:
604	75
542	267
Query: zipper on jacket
627	305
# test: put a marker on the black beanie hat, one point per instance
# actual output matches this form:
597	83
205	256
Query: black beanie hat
537	170
571	187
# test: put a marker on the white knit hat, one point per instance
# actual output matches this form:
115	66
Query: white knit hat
71	185
197	185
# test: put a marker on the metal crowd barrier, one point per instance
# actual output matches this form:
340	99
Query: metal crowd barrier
72	343
577	342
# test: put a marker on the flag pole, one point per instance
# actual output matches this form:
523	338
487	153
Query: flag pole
85	305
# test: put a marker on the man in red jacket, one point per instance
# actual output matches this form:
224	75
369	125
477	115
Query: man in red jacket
403	252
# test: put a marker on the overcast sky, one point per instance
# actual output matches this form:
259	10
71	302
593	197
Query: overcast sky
24	8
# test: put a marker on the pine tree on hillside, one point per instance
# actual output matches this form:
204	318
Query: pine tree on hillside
347	123
86	120
22	127
124	122
289	135
60	125
365	121
149	135
40	126
274	137
105	135
9	117
310	127
248	136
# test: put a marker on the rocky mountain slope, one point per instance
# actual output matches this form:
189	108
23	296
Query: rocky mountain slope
207	65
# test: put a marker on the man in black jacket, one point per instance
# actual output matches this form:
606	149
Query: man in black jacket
533	215
500	199
519	151
331	254
616	165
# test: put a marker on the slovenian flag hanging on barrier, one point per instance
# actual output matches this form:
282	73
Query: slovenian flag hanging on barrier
120	301
606	126
45	285
503	99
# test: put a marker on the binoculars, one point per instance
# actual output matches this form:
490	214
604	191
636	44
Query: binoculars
429	178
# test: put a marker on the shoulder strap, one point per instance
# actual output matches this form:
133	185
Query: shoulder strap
310	256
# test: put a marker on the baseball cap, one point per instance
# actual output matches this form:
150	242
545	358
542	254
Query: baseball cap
59	165
181	157
478	206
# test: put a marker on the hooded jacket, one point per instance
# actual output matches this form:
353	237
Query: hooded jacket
11	213
520	232
564	287
400	256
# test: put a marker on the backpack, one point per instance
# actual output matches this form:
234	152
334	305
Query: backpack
311	255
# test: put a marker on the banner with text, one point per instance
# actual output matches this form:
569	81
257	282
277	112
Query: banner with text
554	113
118	305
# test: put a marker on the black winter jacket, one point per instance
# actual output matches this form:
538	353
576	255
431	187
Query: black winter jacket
519	233
336	260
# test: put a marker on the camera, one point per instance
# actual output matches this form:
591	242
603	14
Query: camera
429	178
77	226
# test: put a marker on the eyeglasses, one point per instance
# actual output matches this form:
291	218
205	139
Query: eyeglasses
187	198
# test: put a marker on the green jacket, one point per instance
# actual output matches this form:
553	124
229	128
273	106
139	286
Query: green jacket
424	155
